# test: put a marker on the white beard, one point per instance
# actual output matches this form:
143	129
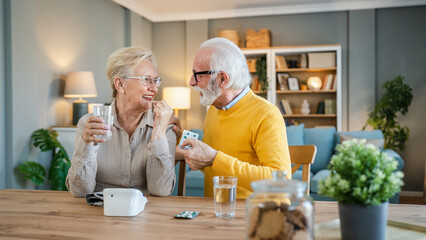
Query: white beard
210	94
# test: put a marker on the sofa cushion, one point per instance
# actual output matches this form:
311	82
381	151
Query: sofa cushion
323	139
295	134
320	175
194	179
376	142
298	175
376	134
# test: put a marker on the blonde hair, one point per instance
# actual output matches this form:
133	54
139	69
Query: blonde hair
121	63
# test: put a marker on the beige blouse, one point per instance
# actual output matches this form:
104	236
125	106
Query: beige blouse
122	162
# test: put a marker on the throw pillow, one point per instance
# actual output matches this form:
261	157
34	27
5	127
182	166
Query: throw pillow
379	143
295	134
323	138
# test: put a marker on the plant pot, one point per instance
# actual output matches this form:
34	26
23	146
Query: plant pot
363	222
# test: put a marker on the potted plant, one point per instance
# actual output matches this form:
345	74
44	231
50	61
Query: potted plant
47	140
396	99
362	179
261	73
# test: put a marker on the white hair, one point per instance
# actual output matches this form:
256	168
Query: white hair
228	57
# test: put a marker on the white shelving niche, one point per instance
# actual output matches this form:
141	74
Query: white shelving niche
274	94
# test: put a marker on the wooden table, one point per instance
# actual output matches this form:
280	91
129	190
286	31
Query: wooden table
39	214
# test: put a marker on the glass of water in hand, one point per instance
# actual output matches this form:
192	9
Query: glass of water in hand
104	112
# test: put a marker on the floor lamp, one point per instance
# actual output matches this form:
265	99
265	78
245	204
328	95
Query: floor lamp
79	85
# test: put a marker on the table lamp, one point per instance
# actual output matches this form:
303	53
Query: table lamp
177	98
79	85
314	83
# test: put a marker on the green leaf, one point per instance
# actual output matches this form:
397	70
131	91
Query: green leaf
58	170
33	171
261	73
45	139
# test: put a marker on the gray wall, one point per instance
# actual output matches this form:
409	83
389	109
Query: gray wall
400	49
196	33
362	68
49	39
140	31
2	103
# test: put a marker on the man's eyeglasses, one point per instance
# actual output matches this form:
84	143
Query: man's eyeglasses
147	80
203	72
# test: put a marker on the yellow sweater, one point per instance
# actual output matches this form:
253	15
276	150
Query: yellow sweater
251	141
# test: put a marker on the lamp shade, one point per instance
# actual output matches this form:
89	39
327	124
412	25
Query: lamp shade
314	83
177	97
80	84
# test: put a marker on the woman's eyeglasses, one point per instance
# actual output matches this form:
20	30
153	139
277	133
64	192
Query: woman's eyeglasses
147	80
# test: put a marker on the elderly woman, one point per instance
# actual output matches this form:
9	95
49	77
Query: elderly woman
142	149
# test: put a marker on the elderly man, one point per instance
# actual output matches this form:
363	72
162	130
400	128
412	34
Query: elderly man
244	134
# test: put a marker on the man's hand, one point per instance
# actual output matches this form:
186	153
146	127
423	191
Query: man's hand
177	128
200	155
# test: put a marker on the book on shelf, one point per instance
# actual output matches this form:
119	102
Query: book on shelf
322	60
330	106
282	79
334	87
320	108
280	62
281	107
287	106
328	82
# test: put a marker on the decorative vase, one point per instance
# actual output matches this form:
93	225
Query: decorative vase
305	107
363	222
303	61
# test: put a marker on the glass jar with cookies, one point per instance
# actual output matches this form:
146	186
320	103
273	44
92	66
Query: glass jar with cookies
279	209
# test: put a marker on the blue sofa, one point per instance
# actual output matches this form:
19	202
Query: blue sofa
325	139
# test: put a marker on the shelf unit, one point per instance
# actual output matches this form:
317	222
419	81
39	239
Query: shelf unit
296	97
257	53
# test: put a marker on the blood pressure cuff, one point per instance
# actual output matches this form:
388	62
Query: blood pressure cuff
95	199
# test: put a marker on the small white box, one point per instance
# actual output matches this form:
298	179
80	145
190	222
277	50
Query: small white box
322	60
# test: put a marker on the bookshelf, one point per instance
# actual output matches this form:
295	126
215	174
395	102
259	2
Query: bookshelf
330	65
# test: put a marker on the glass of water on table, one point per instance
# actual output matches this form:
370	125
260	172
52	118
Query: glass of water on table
225	194
104	112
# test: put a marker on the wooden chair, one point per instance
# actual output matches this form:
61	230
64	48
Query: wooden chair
304	156
182	176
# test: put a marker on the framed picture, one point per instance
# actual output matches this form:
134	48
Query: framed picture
293	83
282	79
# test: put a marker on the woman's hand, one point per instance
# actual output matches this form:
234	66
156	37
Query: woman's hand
162	114
94	126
